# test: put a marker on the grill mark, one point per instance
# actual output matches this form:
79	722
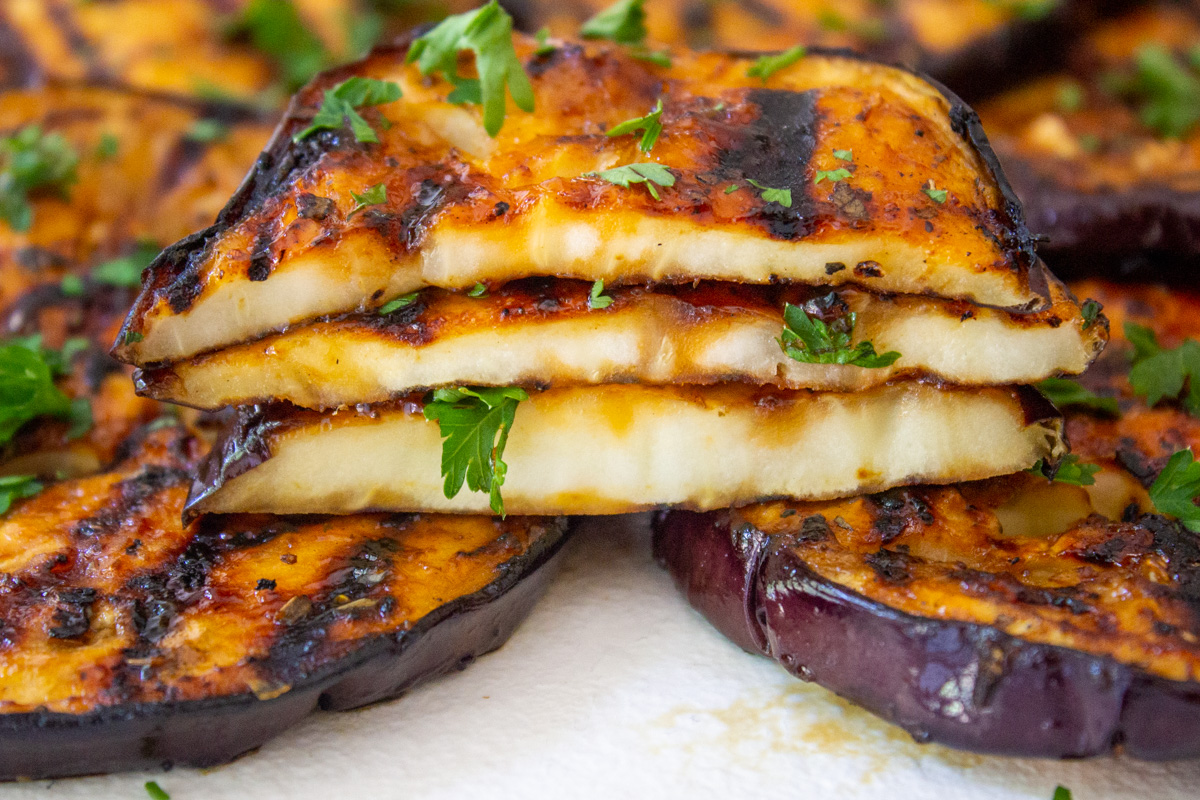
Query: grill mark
132	495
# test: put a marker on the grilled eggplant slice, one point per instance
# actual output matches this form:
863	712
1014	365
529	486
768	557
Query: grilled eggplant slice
158	183
974	46
182	47
130	641
1113	187
615	449
463	208
915	605
546	332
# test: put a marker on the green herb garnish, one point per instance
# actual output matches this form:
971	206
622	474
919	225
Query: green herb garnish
32	162
16	487
207	130
127	270
544	47
1066	393
1090	311
487	32
275	28
107	147
403	301
597	298
27	390
766	66
372	196
832	175
474	424
623	22
1061	793
156	792
810	340
936	195
650	125
781	196
71	286
478	290
731	188
843	155
1159	374
1177	488
648	173
1070	470
1069	97
1165	90
341	102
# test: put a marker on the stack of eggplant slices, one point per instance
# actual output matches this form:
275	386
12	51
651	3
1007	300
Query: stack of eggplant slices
787	300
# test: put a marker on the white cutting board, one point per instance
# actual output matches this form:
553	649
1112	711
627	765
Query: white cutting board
614	686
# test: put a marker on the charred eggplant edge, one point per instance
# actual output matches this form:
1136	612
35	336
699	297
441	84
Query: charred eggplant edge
203	733
1008	696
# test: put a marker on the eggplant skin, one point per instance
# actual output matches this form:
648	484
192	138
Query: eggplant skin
962	684
131	642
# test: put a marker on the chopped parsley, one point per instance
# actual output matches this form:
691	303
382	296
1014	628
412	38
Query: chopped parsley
623	22
1069	97
1061	793
936	195
27	390
107	147
650	125
1066	393
1177	488
812	341
597	298
275	28
648	173
731	188
781	196
342	101
843	155
1165	90
373	196
659	58
403	301
478	290
31	162
1070	470
474	424
870	29
71	286
156	792
17	487
1090	311
766	66
132	337
126	271
487	32
832	175
1159	374
207	130
544	47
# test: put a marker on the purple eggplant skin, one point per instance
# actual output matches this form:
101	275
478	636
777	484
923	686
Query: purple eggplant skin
964	685
204	733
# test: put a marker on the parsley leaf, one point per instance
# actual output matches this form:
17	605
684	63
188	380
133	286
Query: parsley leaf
478	290
810	340
648	173
1177	488
372	196
71	286
275	28
781	196
1159	374
623	22
27	390
487	32
341	101
544	47
1069	97
403	301
156	792
766	66
833	175
31	161
731	188
1070	470
127	270
651	125
843	155
1066	393
108	146
1166	91
936	195
474	424
597	298
1090	311
1061	793
16	487
207	130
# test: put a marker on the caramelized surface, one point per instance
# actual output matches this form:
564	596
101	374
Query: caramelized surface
108	601
1127	590
158	186
463	208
